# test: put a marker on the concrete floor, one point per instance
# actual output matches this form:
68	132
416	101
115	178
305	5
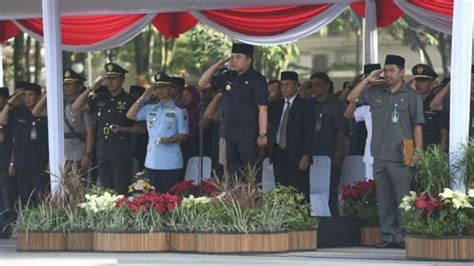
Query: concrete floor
328	257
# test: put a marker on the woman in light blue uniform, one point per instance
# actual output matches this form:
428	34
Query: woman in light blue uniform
167	127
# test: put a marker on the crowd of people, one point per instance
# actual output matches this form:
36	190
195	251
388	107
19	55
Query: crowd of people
245	117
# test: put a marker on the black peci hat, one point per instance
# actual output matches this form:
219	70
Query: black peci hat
395	60
289	75
242	48
179	82
368	68
28	86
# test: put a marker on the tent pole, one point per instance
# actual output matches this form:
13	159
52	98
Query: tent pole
371	51
1	65
460	83
54	68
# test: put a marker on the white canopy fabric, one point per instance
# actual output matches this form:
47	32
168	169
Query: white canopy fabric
23	9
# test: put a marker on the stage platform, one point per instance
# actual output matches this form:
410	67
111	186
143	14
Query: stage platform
326	256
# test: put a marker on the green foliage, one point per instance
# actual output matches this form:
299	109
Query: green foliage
432	172
466	164
429	227
43	218
121	219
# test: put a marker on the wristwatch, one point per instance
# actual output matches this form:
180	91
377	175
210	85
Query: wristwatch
263	134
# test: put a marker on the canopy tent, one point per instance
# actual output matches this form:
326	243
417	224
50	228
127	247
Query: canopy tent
70	24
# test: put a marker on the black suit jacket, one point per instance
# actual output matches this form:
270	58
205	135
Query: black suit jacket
299	131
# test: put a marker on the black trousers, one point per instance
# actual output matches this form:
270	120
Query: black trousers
241	154
8	196
287	173
116	174
163	180
30	182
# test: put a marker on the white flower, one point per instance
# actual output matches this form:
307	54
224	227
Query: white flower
470	193
408	201
457	198
447	194
191	201
95	203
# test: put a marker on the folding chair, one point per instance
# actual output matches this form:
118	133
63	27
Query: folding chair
192	169
319	180
268	177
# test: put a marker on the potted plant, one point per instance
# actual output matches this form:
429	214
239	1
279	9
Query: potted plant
437	219
41	228
135	224
80	236
360	200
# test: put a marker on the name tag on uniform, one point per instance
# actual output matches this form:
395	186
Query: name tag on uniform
170	114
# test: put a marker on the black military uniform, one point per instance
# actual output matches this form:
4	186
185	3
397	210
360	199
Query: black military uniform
114	150
30	151
433	124
140	139
241	95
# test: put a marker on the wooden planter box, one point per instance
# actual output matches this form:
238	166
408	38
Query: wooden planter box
242	243
41	241
80	241
183	242
370	236
303	240
131	241
440	248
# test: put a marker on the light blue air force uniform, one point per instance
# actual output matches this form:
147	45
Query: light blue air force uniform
163	121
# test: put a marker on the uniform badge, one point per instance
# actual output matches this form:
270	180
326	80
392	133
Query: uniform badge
246	82
228	87
67	74
110	67
419	69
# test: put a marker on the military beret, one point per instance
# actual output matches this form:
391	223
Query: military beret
70	76
28	86
424	71
242	48
178	81
4	92
161	78
113	70
289	75
395	60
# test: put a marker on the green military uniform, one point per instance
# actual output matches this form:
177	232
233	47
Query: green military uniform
114	150
395	116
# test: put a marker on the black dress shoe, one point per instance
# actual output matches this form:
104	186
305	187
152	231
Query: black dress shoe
385	245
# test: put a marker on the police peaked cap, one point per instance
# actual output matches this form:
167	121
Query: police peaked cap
368	68
113	70
423	71
289	75
137	89
28	86
395	60
178	81
4	92
161	78
242	48
71	76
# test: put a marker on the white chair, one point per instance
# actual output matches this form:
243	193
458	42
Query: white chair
192	169
268	177
319	180
353	169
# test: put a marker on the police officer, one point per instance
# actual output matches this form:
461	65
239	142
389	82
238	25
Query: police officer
30	150
244	106
79	127
167	127
114	141
397	115
424	83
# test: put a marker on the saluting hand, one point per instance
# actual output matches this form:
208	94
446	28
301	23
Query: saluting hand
17	99
220	64
99	82
374	75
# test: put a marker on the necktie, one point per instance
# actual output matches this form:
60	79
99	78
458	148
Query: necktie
282	142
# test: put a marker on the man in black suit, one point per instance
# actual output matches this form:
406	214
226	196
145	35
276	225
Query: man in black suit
291	125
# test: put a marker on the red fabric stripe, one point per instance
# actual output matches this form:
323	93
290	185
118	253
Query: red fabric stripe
387	12
265	21
173	24
86	30
7	30
444	7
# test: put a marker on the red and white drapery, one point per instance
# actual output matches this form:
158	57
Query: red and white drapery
262	25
